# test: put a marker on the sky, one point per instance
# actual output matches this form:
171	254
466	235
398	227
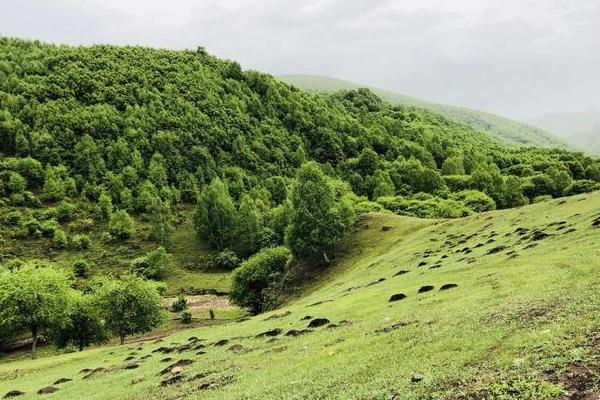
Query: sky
519	58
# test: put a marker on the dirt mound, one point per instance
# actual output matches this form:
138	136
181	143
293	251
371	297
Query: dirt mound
62	380
497	250
13	393
297	332
397	297
318	322
426	288
48	390
448	286
181	363
271	333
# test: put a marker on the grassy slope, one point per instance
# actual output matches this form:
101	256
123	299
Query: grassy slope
502	129
509	319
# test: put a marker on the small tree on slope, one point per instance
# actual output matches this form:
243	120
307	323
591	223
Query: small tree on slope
33	299
130	306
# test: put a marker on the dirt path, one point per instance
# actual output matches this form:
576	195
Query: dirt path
203	302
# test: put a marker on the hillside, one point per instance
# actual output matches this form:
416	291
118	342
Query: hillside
497	305
499	128
581	129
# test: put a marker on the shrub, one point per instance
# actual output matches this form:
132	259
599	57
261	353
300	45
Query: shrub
254	283
60	240
81	269
186	317
180	304
226	259
33	227
13	218
49	228
153	265
476	200
65	211
581	186
120	225
83	225
81	242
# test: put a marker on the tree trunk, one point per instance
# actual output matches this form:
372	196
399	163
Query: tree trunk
122	340
34	336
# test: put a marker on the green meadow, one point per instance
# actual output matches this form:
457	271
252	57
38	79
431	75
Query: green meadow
497	305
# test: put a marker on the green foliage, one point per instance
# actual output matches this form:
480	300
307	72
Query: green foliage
35	300
65	211
81	242
153	265
316	223
81	269
161	221
186	317
216	217
84	325
226	260
255	282
179	304
129	306
476	200
60	239
120	226
105	207
16	183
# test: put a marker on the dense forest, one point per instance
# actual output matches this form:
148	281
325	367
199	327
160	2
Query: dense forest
120	133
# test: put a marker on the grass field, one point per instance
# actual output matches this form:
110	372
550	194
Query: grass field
518	319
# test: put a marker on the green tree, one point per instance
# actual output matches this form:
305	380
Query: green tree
105	206
216	217
255	283
84	325
161	221
120	225
54	187
153	265
315	226
454	166
16	183
129	306
34	299
249	224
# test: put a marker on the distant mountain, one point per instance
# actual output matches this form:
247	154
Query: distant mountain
580	129
501	129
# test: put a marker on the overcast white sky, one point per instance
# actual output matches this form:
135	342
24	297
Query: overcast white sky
519	58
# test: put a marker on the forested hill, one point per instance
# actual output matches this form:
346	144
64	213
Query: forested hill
501	129
137	124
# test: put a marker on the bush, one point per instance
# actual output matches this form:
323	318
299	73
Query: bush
581	186
254	283
13	218
81	242
65	211
186	317
60	240
120	225
81	269
180	304
475	200
153	265
83	225
227	260
34	228
49	228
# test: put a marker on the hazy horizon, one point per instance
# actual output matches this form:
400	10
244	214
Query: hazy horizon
521	59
